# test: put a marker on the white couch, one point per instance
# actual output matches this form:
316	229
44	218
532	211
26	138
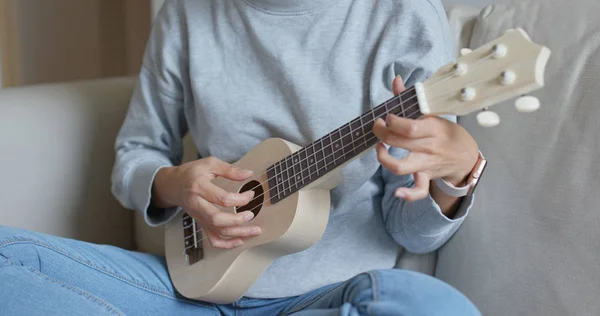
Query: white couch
530	246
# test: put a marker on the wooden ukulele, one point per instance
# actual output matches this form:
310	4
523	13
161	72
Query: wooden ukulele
291	201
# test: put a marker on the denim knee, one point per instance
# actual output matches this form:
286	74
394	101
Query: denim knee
19	247
419	292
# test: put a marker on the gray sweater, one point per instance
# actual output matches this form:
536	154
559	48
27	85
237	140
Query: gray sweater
234	73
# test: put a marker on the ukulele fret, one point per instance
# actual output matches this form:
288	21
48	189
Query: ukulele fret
304	174
288	176
296	171
311	158
357	135
347	142
328	152
320	157
337	149
274	176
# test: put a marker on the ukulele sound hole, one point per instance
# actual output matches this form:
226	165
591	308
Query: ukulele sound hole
256	203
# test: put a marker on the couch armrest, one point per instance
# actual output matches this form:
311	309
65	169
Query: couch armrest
56	143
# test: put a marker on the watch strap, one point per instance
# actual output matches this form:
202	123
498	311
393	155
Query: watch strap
450	189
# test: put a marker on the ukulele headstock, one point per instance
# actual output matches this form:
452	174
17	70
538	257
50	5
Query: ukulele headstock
507	67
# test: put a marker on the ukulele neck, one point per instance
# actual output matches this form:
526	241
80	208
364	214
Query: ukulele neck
333	150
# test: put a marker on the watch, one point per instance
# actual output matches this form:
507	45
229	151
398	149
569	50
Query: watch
472	181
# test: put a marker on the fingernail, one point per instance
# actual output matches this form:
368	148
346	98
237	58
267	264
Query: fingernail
255	231
239	242
398	76
248	172
248	216
388	118
250	194
400	194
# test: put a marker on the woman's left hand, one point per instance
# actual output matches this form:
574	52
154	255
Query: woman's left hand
438	149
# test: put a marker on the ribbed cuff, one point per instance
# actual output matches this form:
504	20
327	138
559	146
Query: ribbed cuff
141	188
432	222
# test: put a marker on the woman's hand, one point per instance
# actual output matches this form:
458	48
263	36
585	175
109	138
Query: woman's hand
438	149
189	186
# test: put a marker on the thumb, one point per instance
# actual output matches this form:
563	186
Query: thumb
398	85
420	190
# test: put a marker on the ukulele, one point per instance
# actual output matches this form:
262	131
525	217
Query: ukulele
291	188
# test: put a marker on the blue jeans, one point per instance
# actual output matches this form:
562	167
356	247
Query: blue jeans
42	274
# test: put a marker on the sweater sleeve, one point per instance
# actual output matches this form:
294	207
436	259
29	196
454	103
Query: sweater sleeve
151	135
420	226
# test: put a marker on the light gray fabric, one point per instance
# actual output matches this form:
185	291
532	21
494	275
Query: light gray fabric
531	244
56	144
461	19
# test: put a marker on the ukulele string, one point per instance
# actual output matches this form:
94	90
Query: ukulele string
258	196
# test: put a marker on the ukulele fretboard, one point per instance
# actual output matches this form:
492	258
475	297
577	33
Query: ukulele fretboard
310	163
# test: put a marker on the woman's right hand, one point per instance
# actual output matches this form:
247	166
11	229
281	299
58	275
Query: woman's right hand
190	187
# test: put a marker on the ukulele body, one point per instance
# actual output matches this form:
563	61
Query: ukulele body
289	226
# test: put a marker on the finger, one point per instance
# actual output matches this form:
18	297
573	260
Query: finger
398	85
239	231
419	192
219	196
411	128
411	164
225	170
219	242
387	136
217	218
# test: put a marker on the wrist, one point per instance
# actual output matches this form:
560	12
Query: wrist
461	177
162	197
467	187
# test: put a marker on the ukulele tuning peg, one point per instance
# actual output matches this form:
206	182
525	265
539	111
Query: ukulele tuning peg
527	104
499	51
465	51
488	118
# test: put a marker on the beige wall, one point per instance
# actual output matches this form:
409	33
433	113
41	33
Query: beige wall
63	40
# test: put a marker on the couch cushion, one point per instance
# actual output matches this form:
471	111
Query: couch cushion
57	152
530	245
